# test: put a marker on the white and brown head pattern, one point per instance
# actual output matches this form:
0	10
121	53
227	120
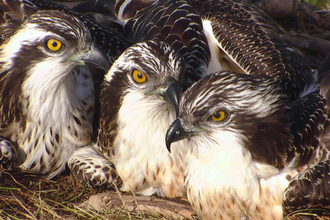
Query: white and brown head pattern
243	137
47	92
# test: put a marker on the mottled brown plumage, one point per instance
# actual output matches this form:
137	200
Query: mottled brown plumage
173	22
237	164
47	91
137	158
133	121
110	40
255	42
308	189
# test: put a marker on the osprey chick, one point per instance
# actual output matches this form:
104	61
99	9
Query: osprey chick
47	91
244	137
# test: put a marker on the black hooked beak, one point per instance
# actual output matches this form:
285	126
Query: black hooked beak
98	58
175	133
172	95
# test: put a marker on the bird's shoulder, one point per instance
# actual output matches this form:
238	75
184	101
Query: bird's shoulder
308	116
10	104
256	42
12	15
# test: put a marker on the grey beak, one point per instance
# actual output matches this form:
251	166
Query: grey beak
172	95
175	133
98	58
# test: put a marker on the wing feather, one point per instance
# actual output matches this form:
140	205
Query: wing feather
12	15
174	22
255	42
308	116
308	189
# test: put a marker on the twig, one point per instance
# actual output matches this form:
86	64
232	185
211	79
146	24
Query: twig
308	9
40	208
135	201
67	208
92	215
311	43
77	196
9	188
122	201
9	215
47	209
15	180
21	204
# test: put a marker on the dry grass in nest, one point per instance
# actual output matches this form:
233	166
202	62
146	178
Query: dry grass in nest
32	197
27	196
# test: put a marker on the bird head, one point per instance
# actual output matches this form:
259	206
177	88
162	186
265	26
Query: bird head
142	87
226	109
51	43
41	61
149	71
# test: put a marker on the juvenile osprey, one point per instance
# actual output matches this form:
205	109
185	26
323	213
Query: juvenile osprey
244	138
110	40
137	99
139	159
47	91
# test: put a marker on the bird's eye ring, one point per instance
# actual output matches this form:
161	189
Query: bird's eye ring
219	116
53	45
139	76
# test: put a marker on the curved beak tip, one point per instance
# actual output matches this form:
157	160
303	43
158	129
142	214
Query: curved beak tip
175	133
168	142
98	58
168	146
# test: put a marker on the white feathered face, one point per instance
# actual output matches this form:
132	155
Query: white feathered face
47	92
38	63
230	107
144	80
48	46
147	67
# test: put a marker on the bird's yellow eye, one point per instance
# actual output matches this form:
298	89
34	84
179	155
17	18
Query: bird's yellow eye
139	77
219	116
54	45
